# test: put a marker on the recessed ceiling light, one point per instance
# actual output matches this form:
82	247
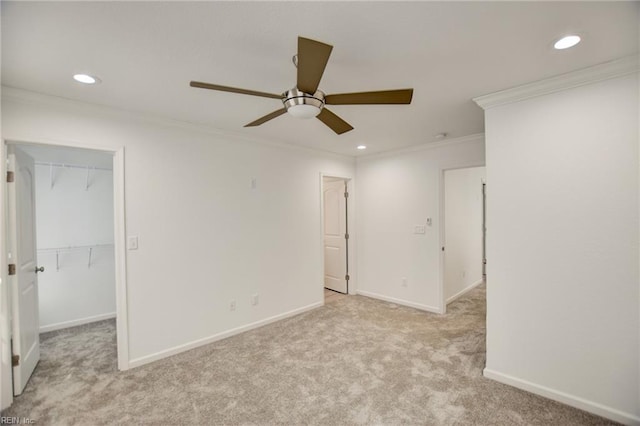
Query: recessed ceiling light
86	79
362	147
567	42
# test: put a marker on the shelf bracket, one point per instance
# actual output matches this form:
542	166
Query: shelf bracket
87	185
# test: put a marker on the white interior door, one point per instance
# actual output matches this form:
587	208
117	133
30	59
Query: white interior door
24	284
335	230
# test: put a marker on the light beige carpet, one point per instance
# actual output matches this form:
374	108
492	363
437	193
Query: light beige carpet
354	361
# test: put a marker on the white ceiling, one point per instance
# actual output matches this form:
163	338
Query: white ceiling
449	52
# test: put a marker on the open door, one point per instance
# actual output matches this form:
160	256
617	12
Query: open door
484	230
23	282
336	275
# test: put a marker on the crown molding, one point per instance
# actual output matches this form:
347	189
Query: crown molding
36	98
593	74
476	137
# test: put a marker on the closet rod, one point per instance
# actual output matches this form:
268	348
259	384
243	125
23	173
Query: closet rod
71	166
92	246
57	251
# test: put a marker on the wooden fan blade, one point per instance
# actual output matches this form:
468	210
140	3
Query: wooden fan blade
266	118
402	96
312	59
336	123
233	90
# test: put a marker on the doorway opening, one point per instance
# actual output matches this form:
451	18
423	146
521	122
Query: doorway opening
335	237
64	215
463	232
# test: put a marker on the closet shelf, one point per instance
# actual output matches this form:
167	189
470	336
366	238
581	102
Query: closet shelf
58	250
68	248
70	166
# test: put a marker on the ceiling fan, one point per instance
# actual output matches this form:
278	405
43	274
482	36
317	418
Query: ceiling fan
305	100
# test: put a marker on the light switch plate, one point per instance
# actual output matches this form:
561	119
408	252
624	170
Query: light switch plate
132	242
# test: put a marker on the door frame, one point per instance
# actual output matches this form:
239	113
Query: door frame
351	229
119	228
441	233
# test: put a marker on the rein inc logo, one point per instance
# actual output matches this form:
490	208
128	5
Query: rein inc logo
16	421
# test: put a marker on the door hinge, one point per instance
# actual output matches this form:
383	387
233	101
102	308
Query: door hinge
346	195
12	269
346	236
10	177
15	360
346	277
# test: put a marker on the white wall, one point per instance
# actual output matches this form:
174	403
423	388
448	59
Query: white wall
68	214
562	173
395	193
205	237
463	230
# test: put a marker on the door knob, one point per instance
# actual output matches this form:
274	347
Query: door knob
40	269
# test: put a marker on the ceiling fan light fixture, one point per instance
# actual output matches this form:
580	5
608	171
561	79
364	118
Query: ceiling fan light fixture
303	111
303	105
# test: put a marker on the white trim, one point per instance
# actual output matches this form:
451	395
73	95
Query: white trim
6	370
476	137
62	144
403	302
223	335
593	74
464	291
565	398
35	98
441	241
74	323
120	260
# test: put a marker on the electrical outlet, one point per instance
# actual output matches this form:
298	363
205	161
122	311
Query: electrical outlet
255	299
232	305
404	282
419	229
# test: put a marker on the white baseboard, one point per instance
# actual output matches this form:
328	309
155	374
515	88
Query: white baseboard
464	291
565	398
73	323
205	341
401	302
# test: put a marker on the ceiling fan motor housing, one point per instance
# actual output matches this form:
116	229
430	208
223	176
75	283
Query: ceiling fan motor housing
301	104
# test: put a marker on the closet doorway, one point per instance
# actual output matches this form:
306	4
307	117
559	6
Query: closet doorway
463	231
63	208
